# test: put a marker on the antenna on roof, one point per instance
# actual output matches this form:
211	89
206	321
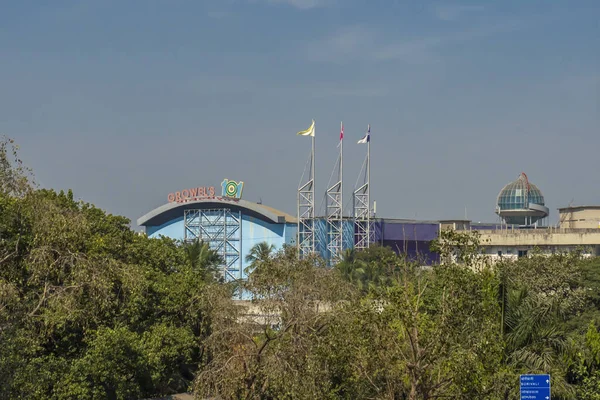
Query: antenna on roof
563	216
259	200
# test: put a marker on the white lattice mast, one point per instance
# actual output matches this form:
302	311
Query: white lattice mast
362	201
305	241
334	203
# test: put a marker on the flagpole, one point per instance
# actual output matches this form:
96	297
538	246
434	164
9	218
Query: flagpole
342	188
362	201
306	203
312	216
334	206
298	237
369	233
369	173
312	173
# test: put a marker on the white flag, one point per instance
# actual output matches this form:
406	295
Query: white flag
367	137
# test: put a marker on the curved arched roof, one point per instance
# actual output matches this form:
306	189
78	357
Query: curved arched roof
170	211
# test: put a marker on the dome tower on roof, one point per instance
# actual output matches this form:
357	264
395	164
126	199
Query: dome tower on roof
521	203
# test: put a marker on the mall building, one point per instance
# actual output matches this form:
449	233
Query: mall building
232	225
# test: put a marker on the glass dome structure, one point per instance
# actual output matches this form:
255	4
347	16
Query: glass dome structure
521	203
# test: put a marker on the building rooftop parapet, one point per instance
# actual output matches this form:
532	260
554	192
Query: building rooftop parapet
584	207
172	210
554	237
539	231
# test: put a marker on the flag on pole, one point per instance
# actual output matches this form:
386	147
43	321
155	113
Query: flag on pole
341	134
310	131
367	137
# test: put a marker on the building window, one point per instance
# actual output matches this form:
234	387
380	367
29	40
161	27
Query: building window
522	253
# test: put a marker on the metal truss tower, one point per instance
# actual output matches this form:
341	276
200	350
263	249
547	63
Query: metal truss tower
334	205
222	230
362	202
305	241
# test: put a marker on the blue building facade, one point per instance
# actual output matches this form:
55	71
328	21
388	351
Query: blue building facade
321	233
231	226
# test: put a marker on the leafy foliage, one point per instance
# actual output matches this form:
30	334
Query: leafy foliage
201	258
90	309
415	334
372	268
260	252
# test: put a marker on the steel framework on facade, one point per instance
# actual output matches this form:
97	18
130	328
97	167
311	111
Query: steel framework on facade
334	222
362	202
221	229
362	218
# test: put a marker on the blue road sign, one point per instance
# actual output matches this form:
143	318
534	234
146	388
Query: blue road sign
535	387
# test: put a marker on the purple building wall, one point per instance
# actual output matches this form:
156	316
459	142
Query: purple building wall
409	238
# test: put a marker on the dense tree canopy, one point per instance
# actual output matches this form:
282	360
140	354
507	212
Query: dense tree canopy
91	310
88	308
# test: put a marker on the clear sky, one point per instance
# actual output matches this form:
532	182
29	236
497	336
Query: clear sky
126	101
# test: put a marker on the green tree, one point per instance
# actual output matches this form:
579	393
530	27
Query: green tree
442	332
351	268
202	258
260	252
89	309
547	302
16	180
270	349
460	247
308	334
586	365
370	268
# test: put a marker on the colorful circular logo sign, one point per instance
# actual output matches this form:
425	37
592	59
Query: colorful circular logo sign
232	188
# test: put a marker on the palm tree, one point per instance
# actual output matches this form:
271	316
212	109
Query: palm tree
201	257
533	337
260	252
352	269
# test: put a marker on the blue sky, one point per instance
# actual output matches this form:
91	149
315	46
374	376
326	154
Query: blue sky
126	101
